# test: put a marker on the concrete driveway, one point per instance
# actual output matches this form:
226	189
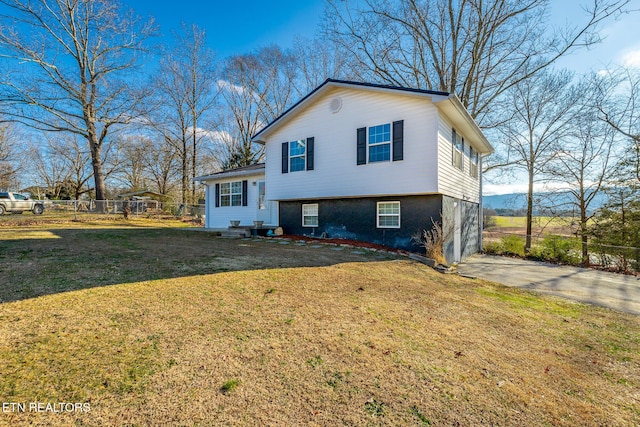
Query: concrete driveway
611	290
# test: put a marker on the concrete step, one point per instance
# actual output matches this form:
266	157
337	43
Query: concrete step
235	233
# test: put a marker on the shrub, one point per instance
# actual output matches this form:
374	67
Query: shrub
432	241
512	245
559	248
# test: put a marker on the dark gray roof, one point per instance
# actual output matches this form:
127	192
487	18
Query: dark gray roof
243	170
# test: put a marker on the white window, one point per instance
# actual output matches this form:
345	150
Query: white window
231	193
380	143
297	155
457	143
473	162
388	215
310	215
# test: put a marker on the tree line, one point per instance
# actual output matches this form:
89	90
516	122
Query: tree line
100	106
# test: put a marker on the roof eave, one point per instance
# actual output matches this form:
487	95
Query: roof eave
460	109
229	174
260	137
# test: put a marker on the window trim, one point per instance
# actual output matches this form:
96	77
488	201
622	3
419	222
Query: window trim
307	215
230	194
379	215
379	144
474	157
303	156
457	159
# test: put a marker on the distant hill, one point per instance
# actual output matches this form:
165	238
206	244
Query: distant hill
505	201
518	202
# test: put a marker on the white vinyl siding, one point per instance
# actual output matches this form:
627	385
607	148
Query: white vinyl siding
452	181
336	173
310	215
219	218
388	215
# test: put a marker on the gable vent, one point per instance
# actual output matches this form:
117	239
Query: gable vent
335	105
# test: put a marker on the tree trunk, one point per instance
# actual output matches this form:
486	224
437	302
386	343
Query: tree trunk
98	175
185	174
527	244
194	160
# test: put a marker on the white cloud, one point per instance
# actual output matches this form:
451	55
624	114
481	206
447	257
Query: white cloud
631	59
225	85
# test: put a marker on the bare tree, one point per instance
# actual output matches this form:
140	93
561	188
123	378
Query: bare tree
10	156
319	59
623	115
72	56
78	161
583	163
475	49
186	96
134	153
258	87
539	111
50	170
161	162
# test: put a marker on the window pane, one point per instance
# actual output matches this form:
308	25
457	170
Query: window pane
225	200
310	221
297	164
380	153
389	221
236	200
310	209
236	187
297	148
225	188
380	133
389	208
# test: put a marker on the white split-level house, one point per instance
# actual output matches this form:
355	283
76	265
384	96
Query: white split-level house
363	162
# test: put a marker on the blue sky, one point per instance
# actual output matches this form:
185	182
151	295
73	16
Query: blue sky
239	26
235	27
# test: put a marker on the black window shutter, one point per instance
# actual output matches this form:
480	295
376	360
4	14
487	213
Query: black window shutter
362	146
310	153
245	188
398	140
217	195
285	157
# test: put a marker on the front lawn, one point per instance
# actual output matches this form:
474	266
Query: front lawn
174	327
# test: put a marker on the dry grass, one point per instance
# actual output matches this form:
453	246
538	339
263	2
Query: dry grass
365	342
541	225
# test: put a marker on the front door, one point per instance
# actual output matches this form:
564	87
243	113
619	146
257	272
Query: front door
264	206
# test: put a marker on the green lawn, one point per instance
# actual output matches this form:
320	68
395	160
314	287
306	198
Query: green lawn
153	326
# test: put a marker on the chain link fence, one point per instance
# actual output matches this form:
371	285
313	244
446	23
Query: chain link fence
87	209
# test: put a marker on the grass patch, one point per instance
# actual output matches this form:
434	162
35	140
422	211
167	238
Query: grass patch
229	386
161	345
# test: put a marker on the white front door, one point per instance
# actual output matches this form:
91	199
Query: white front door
264	206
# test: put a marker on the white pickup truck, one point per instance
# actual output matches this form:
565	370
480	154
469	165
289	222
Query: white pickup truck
18	203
